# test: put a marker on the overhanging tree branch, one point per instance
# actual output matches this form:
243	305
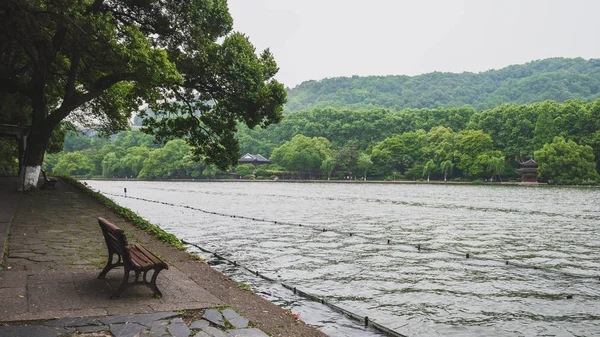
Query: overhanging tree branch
191	113
76	101
70	87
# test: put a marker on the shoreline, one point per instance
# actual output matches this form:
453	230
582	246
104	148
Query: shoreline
376	182
307	181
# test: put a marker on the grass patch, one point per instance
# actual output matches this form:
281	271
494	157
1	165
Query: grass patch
244	286
128	214
195	257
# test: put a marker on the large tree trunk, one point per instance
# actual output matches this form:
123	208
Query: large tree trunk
36	147
34	156
37	141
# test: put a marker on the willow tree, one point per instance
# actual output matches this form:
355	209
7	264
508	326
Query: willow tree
495	166
96	61
446	167
428	168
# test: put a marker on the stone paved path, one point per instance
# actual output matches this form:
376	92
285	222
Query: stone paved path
9	198
161	324
56	250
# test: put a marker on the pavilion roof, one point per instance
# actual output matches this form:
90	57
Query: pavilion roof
253	159
529	163
527	170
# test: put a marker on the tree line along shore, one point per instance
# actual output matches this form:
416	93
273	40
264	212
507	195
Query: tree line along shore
448	144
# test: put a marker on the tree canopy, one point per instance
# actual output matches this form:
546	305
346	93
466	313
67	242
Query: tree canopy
567	162
97	61
302	154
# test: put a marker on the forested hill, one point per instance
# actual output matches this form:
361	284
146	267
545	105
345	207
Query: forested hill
557	79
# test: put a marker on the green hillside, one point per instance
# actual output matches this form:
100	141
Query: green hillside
557	79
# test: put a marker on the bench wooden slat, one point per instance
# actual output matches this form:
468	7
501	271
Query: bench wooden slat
115	242
139	259
110	226
147	254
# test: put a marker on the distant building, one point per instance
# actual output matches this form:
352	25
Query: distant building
254	159
529	171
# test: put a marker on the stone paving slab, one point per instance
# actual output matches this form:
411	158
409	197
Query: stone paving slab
214	332
64	293
159	329
13	301
177	328
92	328
251	332
126	329
31	331
198	325
202	334
214	316
143	319
34	316
163	324
235	319
43	294
75	322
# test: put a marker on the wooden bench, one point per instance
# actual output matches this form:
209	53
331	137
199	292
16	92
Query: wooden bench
49	182
132	257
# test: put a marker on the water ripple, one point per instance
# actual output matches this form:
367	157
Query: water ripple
549	235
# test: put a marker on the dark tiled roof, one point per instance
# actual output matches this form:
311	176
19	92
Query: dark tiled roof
527	170
529	163
253	159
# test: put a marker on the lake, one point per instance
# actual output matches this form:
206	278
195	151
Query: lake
437	291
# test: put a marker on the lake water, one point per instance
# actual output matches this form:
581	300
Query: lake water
433	292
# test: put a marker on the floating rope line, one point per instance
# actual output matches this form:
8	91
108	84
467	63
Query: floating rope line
368	323
419	247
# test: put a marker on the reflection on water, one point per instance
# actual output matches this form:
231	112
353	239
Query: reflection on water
416	293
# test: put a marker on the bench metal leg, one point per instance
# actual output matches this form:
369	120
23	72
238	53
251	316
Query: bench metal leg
123	286
110	265
153	282
139	281
140	277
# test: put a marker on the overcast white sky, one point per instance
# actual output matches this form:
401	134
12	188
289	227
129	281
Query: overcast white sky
315	39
